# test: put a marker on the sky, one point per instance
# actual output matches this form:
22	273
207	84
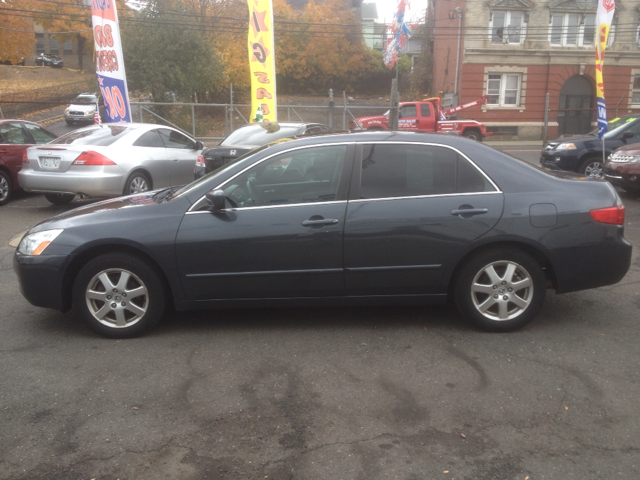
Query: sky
387	8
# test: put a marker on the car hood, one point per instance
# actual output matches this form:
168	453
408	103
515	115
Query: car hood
581	139
100	212
82	108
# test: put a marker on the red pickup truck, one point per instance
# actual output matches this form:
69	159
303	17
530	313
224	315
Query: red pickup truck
427	116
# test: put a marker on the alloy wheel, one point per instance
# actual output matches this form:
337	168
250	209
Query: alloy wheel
502	290
117	298
4	188
594	169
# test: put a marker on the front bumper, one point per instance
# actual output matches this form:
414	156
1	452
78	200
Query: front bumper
93	182
560	160
72	117
41	279
625	175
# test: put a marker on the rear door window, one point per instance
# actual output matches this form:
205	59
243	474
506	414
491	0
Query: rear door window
409	170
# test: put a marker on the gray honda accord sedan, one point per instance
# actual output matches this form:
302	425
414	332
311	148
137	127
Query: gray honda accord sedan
339	219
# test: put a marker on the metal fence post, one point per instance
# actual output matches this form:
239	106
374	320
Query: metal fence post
393	113
231	94
546	119
193	120
344	111
331	105
141	114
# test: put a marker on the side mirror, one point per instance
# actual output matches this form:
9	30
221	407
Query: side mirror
627	134
216	200
199	145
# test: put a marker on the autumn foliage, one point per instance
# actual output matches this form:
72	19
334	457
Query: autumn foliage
16	36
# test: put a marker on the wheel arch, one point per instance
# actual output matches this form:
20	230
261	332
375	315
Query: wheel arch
536	253
80	260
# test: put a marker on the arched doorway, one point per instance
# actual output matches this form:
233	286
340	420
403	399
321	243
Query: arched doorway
575	108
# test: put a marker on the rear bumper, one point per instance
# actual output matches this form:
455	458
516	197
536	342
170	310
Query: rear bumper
89	182
607	264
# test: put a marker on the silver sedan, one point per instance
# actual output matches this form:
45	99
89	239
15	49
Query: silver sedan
109	160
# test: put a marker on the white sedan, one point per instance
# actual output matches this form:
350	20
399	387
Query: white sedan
109	160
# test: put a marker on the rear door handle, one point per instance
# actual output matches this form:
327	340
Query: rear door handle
4	151
324	221
469	212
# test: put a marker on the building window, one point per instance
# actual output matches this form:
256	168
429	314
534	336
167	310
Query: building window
53	46
575	30
40	42
508	27
504	89
635	90
67	47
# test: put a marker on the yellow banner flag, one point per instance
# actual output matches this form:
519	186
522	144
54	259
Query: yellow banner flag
262	62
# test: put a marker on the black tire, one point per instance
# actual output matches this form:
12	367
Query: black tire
60	198
6	187
119	295
137	182
592	167
473	135
516	292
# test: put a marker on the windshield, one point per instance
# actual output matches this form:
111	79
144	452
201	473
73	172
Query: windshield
85	100
102	135
615	124
187	188
256	135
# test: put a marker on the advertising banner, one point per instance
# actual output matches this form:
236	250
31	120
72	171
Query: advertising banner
262	62
606	9
109	62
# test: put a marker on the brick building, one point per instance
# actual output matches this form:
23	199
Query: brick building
516	51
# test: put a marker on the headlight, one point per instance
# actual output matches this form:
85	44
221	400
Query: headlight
634	159
66	110
35	243
566	146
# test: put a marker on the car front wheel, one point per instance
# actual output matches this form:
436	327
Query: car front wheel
500	290
592	167
119	295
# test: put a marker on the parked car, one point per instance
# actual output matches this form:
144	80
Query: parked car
49	60
623	168
249	137
15	137
82	109
337	219
583	154
109	160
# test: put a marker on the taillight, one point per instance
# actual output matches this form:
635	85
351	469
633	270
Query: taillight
612	215
24	157
92	158
200	161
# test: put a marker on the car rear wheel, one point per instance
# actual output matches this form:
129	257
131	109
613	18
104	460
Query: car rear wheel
59	198
500	290
592	167
6	187
138	182
473	135
119	295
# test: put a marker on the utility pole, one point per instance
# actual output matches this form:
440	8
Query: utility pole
393	112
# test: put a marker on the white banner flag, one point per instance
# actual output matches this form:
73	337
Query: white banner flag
109	62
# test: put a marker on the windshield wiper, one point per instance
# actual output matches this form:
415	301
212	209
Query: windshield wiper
163	195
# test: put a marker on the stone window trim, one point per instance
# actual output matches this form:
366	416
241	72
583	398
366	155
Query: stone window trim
523	87
635	73
508	18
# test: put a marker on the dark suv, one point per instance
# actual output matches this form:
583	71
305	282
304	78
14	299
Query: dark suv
584	154
49	60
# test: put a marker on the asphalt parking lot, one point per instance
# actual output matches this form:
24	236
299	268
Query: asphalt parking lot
359	393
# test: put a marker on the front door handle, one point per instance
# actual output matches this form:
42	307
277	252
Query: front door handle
322	221
469	212
4	151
